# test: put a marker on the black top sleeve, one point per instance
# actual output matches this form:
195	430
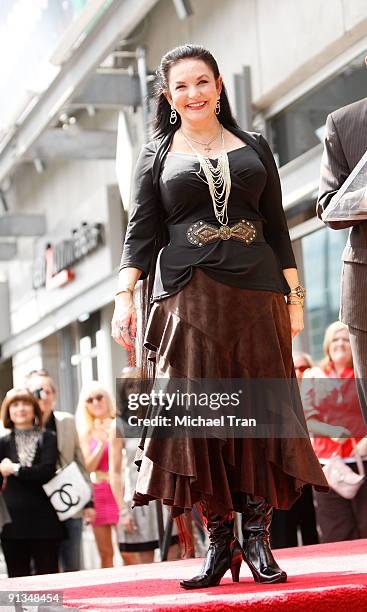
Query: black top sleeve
143	216
334	171
275	229
45	468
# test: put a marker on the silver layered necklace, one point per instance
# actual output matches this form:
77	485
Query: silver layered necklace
26	442
218	178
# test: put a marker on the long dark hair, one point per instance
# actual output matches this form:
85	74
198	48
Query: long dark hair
163	128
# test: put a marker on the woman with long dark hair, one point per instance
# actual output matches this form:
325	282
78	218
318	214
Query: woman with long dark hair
208	231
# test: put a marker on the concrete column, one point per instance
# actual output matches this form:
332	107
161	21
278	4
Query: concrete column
26	360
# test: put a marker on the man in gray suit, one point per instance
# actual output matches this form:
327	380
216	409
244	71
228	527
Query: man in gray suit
63	424
345	144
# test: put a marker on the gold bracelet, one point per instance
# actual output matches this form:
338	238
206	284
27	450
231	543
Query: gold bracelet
125	290
295	303
298	291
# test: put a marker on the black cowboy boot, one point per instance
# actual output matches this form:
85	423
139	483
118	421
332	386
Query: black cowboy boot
256	548
224	553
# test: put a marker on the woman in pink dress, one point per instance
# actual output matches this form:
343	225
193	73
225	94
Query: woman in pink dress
94	415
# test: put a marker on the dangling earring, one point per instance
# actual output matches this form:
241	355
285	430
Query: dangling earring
217	107
173	116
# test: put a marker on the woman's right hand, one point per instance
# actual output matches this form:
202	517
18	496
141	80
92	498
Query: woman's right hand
6	467
340	434
127	522
123	324
99	431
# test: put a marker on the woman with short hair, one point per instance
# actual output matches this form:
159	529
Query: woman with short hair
28	458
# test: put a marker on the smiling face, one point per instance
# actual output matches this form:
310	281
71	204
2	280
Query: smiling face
339	350
21	413
193	90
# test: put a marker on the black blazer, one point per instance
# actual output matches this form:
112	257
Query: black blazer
31	512
145	206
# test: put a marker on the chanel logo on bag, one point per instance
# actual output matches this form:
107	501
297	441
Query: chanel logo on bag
62	500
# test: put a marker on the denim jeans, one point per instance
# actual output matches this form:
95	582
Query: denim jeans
70	556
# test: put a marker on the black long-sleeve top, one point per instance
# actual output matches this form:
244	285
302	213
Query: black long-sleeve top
32	513
167	189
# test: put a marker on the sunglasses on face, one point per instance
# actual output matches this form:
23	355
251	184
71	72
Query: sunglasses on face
99	397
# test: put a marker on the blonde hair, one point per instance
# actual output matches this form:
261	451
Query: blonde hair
326	363
83	418
305	356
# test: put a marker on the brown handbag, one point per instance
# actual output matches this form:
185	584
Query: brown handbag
341	478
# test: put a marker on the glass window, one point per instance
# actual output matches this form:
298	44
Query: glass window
320	270
301	126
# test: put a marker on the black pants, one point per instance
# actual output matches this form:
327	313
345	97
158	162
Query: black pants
283	532
19	555
358	344
342	519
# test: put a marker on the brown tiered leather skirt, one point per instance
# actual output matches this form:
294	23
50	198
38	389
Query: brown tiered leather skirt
216	331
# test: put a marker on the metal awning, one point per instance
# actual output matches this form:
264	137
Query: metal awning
114	89
74	143
117	23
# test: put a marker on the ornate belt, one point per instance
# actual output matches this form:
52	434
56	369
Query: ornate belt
200	233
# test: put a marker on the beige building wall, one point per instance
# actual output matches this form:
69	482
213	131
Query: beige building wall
284	41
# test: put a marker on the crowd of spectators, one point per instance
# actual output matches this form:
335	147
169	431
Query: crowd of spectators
37	439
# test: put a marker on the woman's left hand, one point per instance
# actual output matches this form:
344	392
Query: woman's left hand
296	317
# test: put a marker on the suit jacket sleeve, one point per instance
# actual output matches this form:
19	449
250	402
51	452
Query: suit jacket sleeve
271	206
143	216
334	171
45	468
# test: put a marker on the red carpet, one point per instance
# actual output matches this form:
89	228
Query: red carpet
323	578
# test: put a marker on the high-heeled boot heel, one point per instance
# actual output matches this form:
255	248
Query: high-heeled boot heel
257	553
236	559
224	553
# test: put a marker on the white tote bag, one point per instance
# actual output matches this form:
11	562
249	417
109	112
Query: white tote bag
68	491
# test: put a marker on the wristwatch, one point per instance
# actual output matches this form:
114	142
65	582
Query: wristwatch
16	468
